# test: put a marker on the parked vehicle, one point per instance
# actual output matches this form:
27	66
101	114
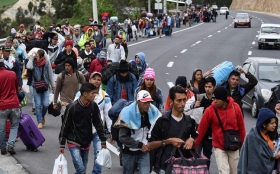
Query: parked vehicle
242	19
214	7
267	72
269	35
223	10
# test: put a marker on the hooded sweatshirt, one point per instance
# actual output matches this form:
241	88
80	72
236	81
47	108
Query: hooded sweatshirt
256	156
85	38
231	118
143	65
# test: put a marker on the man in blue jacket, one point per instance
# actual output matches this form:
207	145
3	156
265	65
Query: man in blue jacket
122	84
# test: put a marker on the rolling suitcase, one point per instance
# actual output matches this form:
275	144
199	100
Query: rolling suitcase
29	133
274	98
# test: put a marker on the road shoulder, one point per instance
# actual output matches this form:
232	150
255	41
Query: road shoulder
10	165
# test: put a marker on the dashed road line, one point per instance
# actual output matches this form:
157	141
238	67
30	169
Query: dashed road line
253	43
210	36
219	31
184	50
197	42
170	64
249	53
167	73
226	28
257	35
170	84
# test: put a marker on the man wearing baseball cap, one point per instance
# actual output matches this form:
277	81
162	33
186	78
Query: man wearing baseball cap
134	122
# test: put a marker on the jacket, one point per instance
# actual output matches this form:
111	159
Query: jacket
9	90
12	65
231	117
189	94
85	38
37	72
242	89
114	88
115	52
96	66
158	102
62	57
77	124
54	50
133	129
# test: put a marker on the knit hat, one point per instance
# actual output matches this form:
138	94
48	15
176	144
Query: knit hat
220	93
68	42
264	115
123	66
181	81
149	73
70	61
13	31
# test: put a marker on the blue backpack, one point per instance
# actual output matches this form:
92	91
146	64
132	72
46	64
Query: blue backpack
117	108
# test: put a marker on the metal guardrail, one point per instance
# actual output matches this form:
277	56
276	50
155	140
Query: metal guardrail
2	41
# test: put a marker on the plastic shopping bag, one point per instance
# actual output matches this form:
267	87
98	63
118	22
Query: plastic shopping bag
60	165
25	87
104	158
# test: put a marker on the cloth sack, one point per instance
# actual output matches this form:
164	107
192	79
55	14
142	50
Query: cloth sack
221	72
104	158
60	165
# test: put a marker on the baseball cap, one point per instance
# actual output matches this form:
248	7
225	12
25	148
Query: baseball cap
95	73
90	19
144	96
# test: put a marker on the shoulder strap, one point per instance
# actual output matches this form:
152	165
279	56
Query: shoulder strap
42	75
62	79
219	119
180	135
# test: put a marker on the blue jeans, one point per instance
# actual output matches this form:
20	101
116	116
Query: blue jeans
80	159
14	116
41	104
130	161
104	40
97	169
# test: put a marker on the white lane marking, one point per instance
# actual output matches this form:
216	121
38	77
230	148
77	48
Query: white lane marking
204	38
249	53
167	73
193	45
219	31
170	64
257	35
210	36
197	42
175	56
253	43
225	28
184	50
170	84
164	36
112	148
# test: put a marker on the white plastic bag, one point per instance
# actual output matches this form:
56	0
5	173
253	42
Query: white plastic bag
104	158
60	165
25	87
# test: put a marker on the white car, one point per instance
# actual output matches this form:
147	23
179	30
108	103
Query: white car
223	10
214	7
269	35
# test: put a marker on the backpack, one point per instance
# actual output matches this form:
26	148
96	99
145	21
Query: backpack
63	78
114	115
110	70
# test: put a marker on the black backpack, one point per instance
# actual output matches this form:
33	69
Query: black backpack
63	77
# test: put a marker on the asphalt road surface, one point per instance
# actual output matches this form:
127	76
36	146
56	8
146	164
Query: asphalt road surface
202	46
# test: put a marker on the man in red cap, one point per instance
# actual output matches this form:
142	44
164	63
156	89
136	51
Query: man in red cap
90	20
22	30
67	52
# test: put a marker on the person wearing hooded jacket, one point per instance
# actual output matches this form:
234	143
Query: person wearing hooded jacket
19	52
85	38
257	153
232	119
140	63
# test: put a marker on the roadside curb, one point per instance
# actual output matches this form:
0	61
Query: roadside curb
9	165
270	14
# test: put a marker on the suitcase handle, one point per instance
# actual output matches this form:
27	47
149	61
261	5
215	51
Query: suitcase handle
32	135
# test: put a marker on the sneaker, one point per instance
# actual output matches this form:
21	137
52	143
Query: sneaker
3	152
40	126
43	120
11	150
33	109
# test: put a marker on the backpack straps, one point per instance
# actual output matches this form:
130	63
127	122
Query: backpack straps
63	77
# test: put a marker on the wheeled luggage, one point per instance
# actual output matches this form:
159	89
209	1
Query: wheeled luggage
29	133
221	72
274	98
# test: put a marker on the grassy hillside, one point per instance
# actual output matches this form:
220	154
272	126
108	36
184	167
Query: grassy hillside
4	3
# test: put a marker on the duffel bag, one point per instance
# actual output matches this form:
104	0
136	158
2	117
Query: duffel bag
221	72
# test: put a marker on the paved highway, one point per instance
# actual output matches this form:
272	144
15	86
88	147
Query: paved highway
202	46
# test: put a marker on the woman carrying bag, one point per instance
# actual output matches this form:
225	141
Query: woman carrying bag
42	80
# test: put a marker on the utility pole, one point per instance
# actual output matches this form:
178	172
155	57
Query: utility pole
149	6
177	6
94	10
164	7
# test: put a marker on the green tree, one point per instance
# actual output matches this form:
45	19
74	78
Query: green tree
64	8
30	6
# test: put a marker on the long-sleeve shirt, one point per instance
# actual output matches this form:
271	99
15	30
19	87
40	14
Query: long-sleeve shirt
116	52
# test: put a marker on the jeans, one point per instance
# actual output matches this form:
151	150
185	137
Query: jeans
226	161
104	40
129	163
41	104
14	116
97	169
32	96
80	159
